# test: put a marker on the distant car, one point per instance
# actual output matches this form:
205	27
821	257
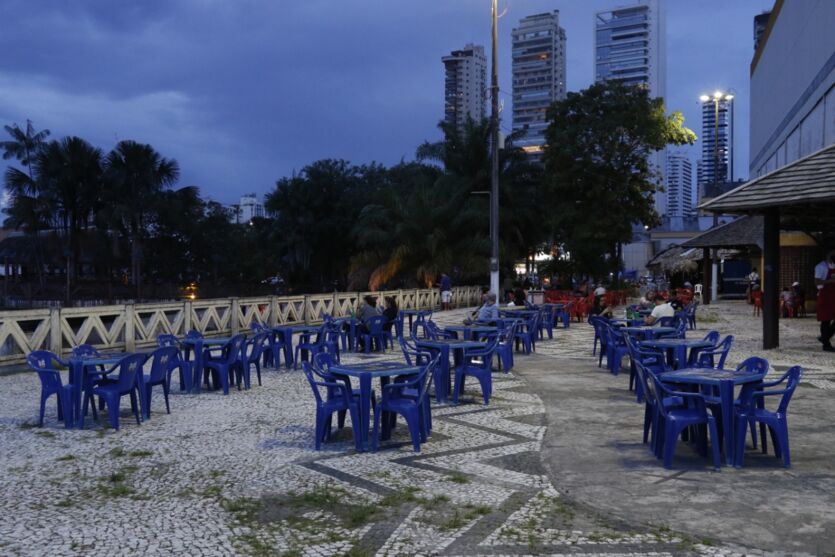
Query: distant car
275	280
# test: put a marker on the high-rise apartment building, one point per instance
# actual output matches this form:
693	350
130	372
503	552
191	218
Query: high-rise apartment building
679	181
630	47
247	209
465	86
538	76
717	141
760	25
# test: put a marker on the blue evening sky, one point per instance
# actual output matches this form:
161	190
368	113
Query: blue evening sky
243	92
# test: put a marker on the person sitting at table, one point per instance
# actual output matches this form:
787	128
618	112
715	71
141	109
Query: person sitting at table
647	301
600	308
667	309
367	310
488	312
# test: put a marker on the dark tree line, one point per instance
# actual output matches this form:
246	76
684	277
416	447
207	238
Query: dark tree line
121	217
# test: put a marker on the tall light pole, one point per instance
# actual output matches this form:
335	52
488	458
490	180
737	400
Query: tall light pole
494	156
717	98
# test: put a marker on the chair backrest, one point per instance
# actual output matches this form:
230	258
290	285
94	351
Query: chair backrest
712	337
375	325
167	340
256	345
413	355
85	350
194	334
318	380
161	360
754	364
232	349
793	375
256	326
46	363
129	367
667	322
647	383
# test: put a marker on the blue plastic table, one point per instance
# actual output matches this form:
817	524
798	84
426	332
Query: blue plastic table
419	314
365	372
724	380
78	379
678	346
197	344
285	334
648	332
443	346
469	330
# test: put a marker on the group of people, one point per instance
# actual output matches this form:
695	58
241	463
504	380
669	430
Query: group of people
368	309
648	301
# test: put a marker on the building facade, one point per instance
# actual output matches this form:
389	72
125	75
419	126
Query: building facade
793	86
679	180
717	141
247	209
538	76
465	85
630	47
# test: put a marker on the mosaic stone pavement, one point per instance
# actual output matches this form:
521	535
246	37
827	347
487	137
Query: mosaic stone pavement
238	475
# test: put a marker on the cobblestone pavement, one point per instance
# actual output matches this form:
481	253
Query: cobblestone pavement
237	474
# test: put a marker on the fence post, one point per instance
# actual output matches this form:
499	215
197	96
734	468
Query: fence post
234	324
305	312
273	311
55	330
335	307
187	325
130	328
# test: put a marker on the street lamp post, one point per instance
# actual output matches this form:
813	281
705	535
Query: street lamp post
717	97
494	155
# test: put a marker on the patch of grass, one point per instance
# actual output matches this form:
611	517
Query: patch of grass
358	515
117	477
458	478
245	509
475	511
321	497
214	474
140	454
45	434
258	548
65	458
454	522
434	502
356	551
118	452
65	503
406	495
116	490
212	491
27	425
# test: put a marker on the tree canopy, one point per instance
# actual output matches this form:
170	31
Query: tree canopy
599	177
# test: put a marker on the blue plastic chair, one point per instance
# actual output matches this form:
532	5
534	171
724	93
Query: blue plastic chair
616	348
714	357
338	399
161	361
407	396
713	338
650	358
599	336
751	409
481	370
179	362
413	355
327	340
504	347
564	314
126	384
678	322
375	334
690	311
192	334
526	336
673	419
547	319
222	367
45	364
252	352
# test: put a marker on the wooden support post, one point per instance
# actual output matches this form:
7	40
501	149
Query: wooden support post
234	309
707	272
187	321
130	328
771	278
55	344
305	311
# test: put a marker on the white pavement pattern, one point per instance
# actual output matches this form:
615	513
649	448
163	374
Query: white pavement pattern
226	475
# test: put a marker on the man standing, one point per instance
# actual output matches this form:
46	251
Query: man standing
825	282
446	292
753	280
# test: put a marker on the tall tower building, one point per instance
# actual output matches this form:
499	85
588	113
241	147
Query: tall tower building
717	142
465	85
538	76
630	47
679	179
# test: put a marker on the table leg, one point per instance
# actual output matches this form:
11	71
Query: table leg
726	395
197	372
365	409
681	357
77	371
288	348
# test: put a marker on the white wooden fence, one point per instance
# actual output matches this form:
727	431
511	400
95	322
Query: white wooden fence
132	326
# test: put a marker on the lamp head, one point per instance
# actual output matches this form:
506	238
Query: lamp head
704	98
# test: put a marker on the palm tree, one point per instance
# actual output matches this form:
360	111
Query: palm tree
136	174
24	145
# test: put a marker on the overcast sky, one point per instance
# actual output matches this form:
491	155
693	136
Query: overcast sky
243	92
